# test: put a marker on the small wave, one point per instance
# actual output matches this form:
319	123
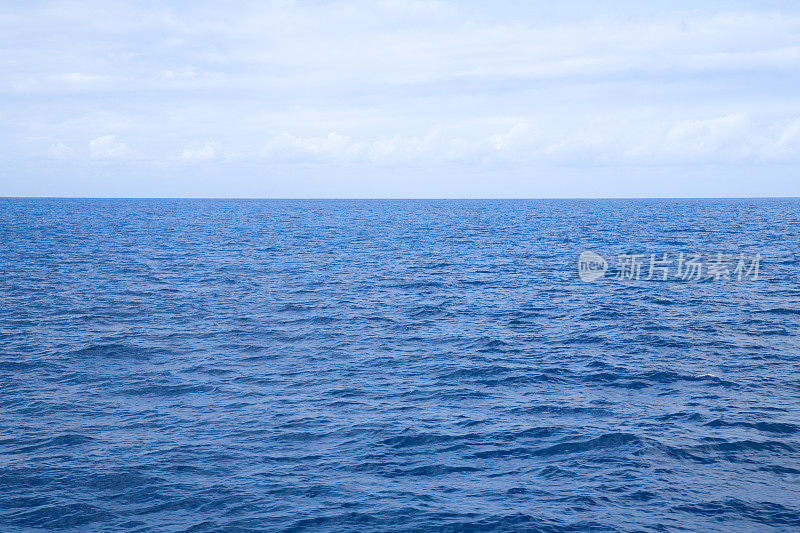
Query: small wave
563	410
432	470
781	311
609	440
167	391
423	439
768	427
67	440
779	469
766	513
746	446
115	351
603	442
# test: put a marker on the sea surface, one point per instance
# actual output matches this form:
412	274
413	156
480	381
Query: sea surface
248	365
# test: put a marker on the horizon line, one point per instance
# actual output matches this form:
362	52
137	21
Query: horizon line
399	198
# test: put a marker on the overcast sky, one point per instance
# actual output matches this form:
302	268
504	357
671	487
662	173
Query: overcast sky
400	98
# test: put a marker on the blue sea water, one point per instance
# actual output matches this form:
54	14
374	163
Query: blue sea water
210	365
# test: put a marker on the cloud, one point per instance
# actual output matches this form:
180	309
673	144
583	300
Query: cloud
590	141
208	152
708	136
285	45
107	147
790	137
399	83
60	151
78	78
287	147
337	148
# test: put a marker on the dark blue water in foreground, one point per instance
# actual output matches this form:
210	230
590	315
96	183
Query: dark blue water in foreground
394	366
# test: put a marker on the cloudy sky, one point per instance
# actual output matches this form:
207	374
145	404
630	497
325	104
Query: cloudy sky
400	98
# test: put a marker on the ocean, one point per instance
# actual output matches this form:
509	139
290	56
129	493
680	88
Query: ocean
408	365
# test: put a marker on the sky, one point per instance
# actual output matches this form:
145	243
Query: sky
400	99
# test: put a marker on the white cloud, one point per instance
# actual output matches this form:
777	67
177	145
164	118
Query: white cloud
291	44
78	78
790	137
702	137
60	151
287	147
592	140
404	82
208	152
107	147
